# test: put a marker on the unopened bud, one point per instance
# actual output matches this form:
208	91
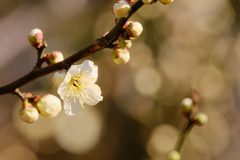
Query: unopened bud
147	1
120	55
174	155
122	9
124	42
28	113
54	57
49	105
58	77
35	37
134	29
166	1
186	106
201	119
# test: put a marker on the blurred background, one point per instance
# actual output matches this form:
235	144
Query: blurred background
184	45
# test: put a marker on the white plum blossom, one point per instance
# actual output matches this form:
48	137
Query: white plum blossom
79	87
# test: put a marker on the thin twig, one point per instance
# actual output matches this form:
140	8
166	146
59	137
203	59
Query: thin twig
99	44
182	137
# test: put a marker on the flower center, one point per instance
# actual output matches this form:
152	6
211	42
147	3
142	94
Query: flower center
79	88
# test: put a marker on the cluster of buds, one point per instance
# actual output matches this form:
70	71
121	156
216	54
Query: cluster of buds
189	109
131	30
36	39
47	106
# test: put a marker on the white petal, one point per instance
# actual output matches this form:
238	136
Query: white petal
92	70
94	95
63	90
71	107
75	70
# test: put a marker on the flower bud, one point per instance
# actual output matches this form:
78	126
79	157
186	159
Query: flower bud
28	113
120	56
186	106
35	37
49	105
134	29
54	57
147	1
201	119
122	9
124	42
174	155
166	1
58	77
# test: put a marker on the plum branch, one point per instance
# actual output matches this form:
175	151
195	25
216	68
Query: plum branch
99	44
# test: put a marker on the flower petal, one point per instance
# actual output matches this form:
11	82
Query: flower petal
92	70
63	90
94	95
75	70
71	107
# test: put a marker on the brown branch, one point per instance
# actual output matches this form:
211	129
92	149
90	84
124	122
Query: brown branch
99	44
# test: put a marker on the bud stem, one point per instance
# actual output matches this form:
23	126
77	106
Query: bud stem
40	53
19	94
182	137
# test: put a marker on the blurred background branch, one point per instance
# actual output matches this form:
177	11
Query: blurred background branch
183	45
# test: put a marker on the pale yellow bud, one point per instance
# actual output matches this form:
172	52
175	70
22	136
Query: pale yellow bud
54	57
122	9
28	113
174	155
201	119
49	105
147	1
35	37
134	29
120	55
166	1
58	77
186	106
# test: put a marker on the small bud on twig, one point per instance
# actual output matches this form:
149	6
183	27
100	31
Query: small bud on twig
35	38
122	9
28	113
186	106
147	1
53	57
174	155
200	119
166	1
49	105
58	77
120	55
134	29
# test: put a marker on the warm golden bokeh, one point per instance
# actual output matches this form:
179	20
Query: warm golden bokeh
184	45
